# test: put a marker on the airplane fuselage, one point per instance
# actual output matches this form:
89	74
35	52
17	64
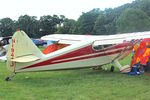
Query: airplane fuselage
80	55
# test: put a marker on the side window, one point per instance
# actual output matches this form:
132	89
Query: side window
108	45
97	47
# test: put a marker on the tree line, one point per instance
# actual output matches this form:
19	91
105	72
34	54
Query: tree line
131	17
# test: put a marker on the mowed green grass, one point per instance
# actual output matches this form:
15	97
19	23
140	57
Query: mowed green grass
83	84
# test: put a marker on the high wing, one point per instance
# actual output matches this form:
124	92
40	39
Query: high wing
97	39
67	38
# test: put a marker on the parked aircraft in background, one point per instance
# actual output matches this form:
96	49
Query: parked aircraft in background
70	51
4	42
39	42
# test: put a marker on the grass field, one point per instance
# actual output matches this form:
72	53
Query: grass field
83	84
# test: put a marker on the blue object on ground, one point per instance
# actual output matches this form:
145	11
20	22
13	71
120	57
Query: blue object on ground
134	70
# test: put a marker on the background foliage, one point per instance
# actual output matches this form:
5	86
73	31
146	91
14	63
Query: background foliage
131	17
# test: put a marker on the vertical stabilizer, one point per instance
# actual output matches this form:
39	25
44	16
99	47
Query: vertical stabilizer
21	49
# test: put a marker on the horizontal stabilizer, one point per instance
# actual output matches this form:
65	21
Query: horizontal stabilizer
26	58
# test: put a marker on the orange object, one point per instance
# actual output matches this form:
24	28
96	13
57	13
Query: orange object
142	52
50	48
53	47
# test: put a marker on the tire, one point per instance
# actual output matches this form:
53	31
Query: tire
7	79
112	69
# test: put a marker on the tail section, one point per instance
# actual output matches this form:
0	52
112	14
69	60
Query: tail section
21	50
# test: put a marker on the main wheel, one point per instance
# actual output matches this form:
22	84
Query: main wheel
112	69
7	79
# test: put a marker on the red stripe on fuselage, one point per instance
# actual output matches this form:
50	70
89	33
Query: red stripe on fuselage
80	52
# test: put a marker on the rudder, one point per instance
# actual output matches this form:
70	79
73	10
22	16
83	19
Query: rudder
21	49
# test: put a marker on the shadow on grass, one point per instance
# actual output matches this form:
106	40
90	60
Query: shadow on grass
64	78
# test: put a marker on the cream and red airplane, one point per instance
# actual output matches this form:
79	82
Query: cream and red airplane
82	51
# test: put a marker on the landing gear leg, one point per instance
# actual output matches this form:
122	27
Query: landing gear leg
112	68
10	77
97	68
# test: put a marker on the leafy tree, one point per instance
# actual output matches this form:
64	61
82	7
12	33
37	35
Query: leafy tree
87	20
105	23
67	27
144	5
6	27
99	27
133	20
110	21
49	24
120	9
62	19
29	24
126	18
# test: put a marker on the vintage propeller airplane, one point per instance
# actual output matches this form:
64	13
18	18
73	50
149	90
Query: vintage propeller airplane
80	51
4	43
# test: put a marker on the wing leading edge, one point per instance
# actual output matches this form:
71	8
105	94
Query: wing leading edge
98	39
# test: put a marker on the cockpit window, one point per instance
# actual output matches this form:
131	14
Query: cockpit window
97	47
100	47
108	45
